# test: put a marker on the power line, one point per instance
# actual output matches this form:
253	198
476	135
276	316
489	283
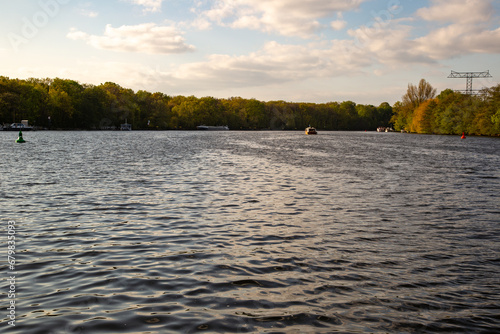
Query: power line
469	76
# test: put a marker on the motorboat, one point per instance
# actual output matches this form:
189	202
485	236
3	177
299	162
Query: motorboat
212	128
126	127
311	131
18	127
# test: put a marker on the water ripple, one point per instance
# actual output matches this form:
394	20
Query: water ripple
239	232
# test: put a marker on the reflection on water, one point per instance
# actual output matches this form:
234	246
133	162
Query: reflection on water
236	232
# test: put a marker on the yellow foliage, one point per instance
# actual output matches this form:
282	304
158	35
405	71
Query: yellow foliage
421	122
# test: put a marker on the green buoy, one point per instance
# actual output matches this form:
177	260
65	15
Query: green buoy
20	138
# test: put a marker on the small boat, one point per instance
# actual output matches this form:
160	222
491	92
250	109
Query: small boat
19	127
385	129
311	131
212	128
126	127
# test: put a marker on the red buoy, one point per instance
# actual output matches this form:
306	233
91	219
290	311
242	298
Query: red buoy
463	135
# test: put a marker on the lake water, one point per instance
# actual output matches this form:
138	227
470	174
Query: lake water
251	232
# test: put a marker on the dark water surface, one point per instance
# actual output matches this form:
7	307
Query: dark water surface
262	232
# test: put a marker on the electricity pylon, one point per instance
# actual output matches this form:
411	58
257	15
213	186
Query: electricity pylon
469	75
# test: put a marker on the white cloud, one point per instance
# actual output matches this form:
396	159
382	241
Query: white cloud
457	11
212	82
142	38
467	30
149	5
285	17
200	23
88	13
381	47
388	44
393	43
85	9
91	14
274	63
456	40
96	72
338	24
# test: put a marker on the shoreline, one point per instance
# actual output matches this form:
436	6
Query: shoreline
245	130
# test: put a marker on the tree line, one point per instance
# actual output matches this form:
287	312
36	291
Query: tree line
451	112
67	104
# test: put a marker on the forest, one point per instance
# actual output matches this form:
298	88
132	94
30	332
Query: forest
68	105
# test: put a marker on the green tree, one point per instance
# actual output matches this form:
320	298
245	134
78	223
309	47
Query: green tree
153	111
121	105
384	115
491	110
92	108
186	112
367	117
255	113
401	117
348	115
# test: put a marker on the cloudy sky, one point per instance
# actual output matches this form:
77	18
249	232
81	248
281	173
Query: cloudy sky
366	51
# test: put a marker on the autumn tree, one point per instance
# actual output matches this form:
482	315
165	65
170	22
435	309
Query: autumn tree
415	95
422	117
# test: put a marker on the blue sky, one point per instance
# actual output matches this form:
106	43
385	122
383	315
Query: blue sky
366	51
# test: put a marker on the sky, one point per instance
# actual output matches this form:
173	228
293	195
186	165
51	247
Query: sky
366	51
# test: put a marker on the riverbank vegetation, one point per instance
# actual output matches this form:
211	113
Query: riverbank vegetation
451	112
67	104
